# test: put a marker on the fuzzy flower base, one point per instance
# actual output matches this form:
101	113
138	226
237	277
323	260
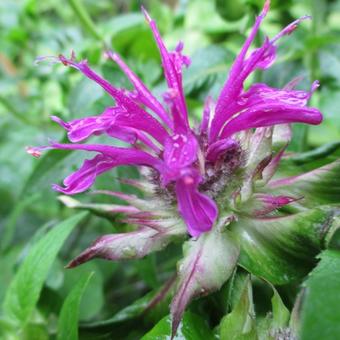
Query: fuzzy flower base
213	182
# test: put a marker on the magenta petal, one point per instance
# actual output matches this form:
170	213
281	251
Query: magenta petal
198	210
262	93
217	149
81	129
172	66
122	156
83	178
231	95
271	114
267	54
145	96
237	75
130	113
180	150
138	120
109	157
207	114
233	101
289	29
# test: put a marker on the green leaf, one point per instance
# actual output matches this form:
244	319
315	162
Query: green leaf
206	65
231	10
23	292
282	249
93	301
316	154
85	19
236	286
11	223
152	302
280	312
82	98
192	327
320	313
146	269
124	29
134	310
215	24
239	324
68	319
333	236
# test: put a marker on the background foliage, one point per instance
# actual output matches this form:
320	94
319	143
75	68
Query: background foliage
114	299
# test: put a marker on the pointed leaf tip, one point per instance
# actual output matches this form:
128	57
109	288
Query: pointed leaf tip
85	256
68	319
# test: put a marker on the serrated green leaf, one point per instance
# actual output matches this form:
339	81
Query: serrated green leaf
320	313
23	292
68	318
192	327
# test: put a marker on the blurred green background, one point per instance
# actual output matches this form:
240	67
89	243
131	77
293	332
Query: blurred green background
212	32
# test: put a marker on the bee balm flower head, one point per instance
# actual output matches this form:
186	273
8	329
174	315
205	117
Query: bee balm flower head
200	180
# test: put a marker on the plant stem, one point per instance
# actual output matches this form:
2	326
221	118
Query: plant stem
86	21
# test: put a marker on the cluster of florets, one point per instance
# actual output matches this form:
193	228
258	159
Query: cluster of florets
199	177
191	168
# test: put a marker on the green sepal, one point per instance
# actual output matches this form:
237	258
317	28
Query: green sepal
282	249
316	187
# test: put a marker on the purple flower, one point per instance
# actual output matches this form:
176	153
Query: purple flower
160	134
213	181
